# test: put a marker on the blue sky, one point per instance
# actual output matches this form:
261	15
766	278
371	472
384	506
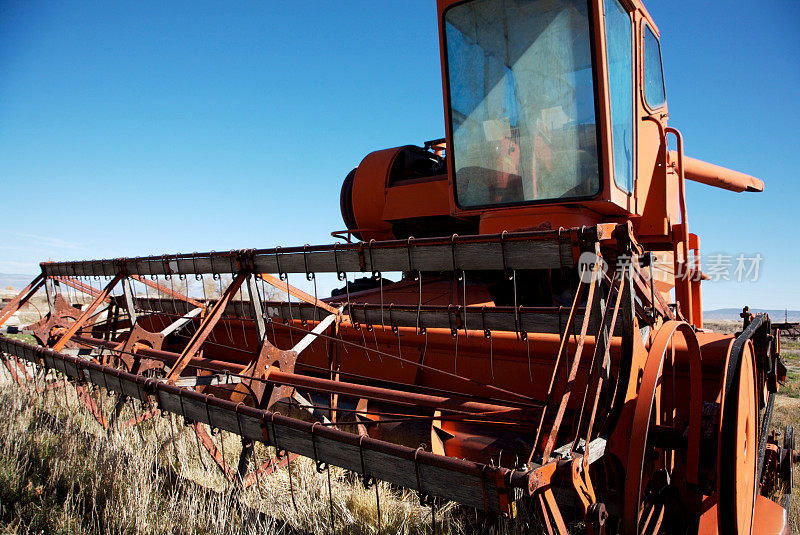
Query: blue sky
152	127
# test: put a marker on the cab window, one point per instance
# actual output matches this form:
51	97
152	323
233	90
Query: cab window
521	97
619	44
654	93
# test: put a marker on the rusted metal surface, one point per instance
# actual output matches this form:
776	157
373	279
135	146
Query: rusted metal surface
213	451
11	366
61	316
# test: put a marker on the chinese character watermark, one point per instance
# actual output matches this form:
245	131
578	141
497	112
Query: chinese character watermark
715	267
748	267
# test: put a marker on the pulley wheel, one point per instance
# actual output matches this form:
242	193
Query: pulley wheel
738	444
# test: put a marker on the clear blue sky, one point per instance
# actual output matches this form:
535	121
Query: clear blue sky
151	127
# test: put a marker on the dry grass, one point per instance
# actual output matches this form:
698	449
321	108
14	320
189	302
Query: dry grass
790	353
60	472
787	412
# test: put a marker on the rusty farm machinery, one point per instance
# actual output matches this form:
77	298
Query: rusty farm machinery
544	344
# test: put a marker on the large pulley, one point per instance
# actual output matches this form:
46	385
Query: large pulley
738	439
656	455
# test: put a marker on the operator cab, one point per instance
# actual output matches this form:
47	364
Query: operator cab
544	104
553	119
556	117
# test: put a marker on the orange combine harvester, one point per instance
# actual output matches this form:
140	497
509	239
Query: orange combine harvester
544	346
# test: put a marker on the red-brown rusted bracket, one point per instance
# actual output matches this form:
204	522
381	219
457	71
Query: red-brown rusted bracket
127	349
12	371
83	395
573	372
550	513
215	453
205	327
267	468
86	314
61	315
168	291
582	485
141	418
269	359
21	298
557	365
25	372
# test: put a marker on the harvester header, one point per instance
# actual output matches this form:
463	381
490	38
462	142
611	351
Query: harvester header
543	354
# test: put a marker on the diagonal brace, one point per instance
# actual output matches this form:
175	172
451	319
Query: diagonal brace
181	322
319	329
86	314
21	298
205	328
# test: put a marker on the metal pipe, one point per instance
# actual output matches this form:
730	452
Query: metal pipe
392	396
681	172
718	176
339	387
167	357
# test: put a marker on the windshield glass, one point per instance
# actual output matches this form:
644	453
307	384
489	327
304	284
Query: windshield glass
521	101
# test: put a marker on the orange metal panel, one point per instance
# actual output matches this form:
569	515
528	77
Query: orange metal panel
424	199
770	518
369	192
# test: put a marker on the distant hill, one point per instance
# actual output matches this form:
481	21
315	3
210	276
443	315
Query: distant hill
733	314
16	280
